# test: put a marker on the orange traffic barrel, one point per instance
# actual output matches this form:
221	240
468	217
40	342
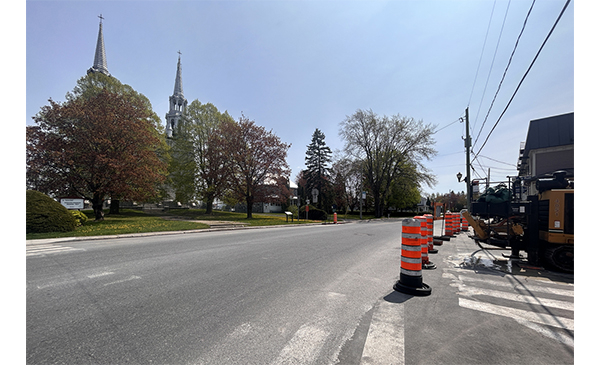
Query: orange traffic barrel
465	223
455	224
448	224
430	247
411	277
428	265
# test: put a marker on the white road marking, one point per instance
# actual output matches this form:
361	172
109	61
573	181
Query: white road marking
472	291
541	318
106	273
304	347
123	281
558	336
35	250
514	285
385	339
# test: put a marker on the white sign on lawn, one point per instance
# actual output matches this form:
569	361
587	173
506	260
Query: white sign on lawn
72	203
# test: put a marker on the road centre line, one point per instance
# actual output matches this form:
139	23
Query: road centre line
541	318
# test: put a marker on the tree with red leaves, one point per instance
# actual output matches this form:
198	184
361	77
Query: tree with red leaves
257	167
97	144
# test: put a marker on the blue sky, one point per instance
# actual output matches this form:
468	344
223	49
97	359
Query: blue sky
293	66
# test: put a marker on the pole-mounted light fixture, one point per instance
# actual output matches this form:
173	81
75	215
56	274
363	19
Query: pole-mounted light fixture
459	176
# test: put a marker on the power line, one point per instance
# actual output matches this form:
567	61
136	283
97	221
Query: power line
448	125
525	75
505	163
491	65
481	56
505	71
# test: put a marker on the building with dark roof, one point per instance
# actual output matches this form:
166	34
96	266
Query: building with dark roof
549	147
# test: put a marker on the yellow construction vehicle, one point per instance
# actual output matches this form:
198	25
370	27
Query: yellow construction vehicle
542	225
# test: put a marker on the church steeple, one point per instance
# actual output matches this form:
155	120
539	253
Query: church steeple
178	85
100	55
177	103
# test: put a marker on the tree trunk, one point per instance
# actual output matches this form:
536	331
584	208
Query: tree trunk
97	202
249	204
209	203
378	205
114	206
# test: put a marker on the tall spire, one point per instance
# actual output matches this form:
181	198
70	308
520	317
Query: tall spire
177	103
178	91
100	56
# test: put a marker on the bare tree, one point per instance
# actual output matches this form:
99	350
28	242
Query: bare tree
388	147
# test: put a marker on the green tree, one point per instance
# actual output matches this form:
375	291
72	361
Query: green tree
99	143
387	146
197	169
94	83
404	191
317	173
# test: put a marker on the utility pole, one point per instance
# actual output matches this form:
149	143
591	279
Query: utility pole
468	149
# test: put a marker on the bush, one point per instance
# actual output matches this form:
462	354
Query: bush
313	213
80	217
293	209
45	214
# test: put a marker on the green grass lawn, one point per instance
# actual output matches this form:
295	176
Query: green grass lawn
129	221
135	221
268	219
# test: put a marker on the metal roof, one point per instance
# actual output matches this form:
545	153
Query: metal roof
558	130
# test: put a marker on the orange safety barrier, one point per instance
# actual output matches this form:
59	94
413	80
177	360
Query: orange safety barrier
411	279
456	226
428	265
448	224
430	247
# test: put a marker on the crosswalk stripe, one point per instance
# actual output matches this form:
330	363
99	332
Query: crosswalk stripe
514	285
385	339
34	250
541	318
304	347
471	291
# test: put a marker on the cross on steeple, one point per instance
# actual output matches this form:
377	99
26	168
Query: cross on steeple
179	53
100	55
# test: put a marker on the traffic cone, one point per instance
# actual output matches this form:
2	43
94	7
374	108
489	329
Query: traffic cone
411	278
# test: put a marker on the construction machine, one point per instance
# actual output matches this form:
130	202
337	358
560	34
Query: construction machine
542	226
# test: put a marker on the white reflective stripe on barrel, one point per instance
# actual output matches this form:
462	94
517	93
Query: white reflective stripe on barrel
410	272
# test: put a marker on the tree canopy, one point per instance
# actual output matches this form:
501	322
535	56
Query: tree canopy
100	143
389	147
197	168
318	172
256	163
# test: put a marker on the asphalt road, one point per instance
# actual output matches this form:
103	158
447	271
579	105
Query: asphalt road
294	295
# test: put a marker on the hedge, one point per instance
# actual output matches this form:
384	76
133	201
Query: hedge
45	214
313	213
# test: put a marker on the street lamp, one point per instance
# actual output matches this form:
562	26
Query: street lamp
459	176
